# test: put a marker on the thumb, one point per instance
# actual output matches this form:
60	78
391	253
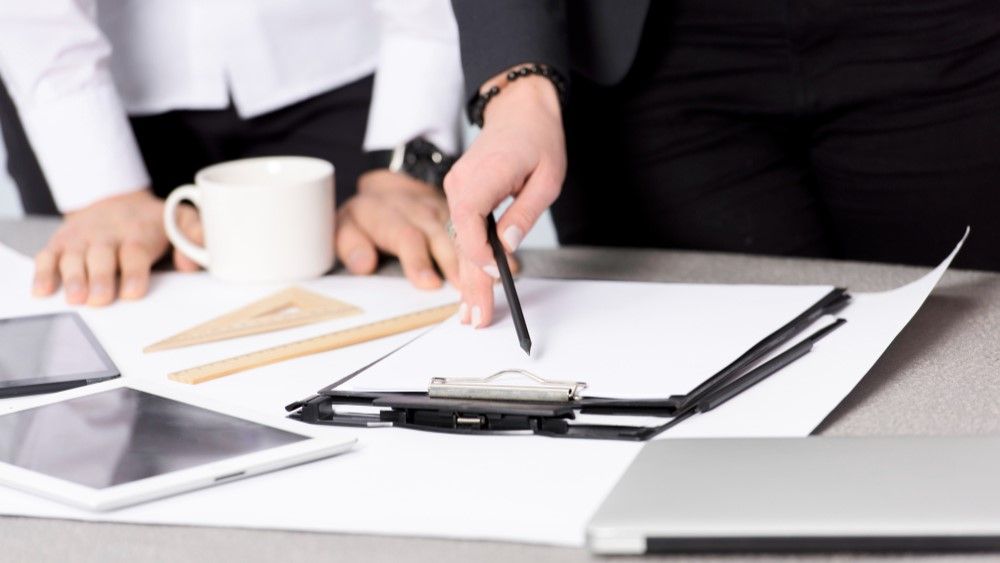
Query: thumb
354	247
183	263
189	222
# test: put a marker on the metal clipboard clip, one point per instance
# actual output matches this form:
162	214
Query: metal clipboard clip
489	389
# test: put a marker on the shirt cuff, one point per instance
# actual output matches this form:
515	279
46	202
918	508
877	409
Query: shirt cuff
85	147
417	92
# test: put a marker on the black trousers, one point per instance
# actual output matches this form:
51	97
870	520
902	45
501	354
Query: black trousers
860	129
177	144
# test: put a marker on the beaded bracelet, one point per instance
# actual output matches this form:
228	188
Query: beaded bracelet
478	105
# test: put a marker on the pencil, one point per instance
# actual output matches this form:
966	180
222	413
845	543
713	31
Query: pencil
507	279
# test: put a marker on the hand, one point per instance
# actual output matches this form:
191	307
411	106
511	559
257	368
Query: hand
122	234
520	152
402	216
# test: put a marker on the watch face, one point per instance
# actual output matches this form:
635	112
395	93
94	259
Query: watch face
426	162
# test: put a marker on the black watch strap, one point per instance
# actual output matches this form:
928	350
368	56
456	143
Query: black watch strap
375	160
418	158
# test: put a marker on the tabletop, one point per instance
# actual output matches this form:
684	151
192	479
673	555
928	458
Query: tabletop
941	376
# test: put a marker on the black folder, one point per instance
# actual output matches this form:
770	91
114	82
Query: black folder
421	411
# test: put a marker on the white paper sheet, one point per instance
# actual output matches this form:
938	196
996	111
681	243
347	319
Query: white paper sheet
623	339
520	488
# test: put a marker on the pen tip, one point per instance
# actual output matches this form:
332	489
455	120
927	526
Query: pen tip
526	346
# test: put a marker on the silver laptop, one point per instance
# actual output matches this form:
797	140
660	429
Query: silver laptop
805	494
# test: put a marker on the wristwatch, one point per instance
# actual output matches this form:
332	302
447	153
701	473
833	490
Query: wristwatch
418	158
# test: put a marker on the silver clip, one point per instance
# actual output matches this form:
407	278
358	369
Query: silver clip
488	389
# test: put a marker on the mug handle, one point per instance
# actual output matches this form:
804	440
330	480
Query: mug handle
190	193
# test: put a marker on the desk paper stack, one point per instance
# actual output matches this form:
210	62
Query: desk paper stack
628	339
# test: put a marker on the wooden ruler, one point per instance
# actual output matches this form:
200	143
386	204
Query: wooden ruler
288	308
315	345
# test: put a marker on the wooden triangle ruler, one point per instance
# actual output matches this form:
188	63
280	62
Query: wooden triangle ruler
286	309
315	345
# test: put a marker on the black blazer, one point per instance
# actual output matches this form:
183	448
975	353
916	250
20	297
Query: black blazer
596	38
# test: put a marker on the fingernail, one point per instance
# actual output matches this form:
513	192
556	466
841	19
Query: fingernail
38	286
492	271
130	288
477	316
427	276
356	258
74	287
513	236
463	312
99	289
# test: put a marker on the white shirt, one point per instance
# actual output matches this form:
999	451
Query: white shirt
77	68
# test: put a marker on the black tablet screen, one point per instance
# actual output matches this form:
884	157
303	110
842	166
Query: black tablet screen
123	435
43	348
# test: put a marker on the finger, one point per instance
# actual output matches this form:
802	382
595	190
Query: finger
391	231
470	238
431	220
472	194
102	265
136	263
515	264
46	278
189	222
477	294
414	257
354	247
465	288
184	264
73	272
539	192
445	256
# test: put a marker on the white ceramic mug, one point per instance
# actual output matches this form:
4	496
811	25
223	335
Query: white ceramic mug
265	219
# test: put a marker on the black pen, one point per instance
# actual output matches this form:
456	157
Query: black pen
507	279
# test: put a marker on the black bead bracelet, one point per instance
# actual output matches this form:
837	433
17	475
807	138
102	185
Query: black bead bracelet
478	105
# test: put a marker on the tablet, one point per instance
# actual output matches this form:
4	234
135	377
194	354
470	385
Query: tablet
126	445
46	353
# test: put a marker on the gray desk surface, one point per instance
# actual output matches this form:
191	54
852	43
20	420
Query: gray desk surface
940	376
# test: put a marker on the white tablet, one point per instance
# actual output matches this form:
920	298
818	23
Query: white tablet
126	445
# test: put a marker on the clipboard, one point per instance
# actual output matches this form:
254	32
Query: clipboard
535	405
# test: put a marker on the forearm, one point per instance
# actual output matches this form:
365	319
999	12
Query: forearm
54	61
